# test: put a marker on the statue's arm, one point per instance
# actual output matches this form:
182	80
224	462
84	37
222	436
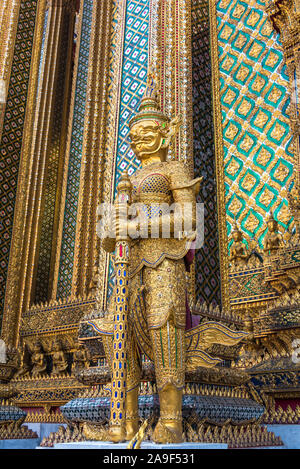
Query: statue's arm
184	191
109	244
115	225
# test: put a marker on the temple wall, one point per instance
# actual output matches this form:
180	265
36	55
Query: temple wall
221	66
257	139
70	209
207	265
131	80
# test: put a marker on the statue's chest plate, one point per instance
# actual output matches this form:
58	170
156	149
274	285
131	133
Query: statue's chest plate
152	188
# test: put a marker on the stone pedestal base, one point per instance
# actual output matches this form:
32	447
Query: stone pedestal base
145	445
290	435
19	444
44	429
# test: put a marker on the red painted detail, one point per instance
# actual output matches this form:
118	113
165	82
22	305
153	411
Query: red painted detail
284	403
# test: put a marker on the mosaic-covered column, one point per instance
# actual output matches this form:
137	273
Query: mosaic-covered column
86	247
210	263
15	161
256	127
9	12
171	56
43	145
49	145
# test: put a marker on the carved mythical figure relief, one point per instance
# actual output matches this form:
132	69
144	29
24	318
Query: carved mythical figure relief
59	361
273	239
80	359
38	360
238	252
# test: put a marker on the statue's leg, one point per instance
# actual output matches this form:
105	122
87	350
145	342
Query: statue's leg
165	294
169	360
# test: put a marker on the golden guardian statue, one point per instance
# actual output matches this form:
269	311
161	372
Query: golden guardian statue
156	317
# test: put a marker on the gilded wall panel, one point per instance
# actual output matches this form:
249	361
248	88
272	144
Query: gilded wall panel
13	127
257	139
55	158
66	263
132	81
207	266
87	243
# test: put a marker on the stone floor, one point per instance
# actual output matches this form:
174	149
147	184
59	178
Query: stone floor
29	443
290	435
148	445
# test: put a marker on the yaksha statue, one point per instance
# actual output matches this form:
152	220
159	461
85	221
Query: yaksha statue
157	312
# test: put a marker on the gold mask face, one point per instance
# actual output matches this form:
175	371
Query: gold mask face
146	138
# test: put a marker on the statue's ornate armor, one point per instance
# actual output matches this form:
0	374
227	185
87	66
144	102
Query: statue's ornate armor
152	187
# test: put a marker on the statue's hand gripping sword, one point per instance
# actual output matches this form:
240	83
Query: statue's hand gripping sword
117	430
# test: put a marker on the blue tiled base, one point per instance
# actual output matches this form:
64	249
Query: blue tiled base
217	409
146	445
19	444
11	413
290	435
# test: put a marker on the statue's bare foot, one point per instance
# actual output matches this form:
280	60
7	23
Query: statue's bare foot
116	434
167	432
132	427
